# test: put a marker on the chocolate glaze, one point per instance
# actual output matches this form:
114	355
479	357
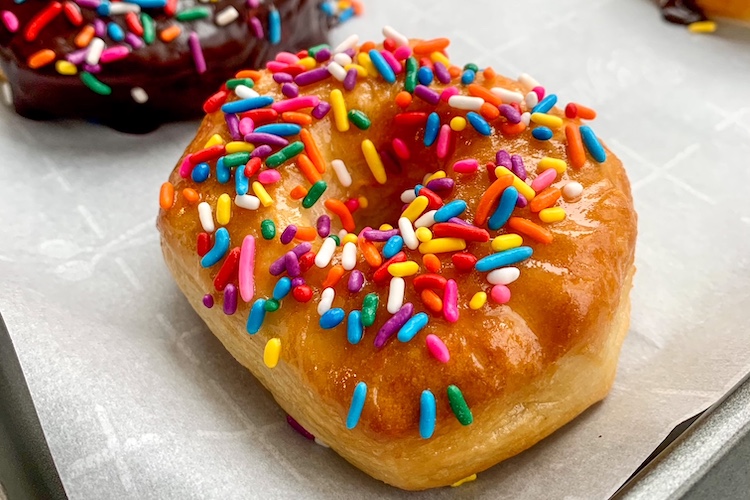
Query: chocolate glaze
681	11
166	71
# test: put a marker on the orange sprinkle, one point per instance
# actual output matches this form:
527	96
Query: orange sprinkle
431	262
338	208
545	199
359	9
296	117
298	192
41	58
454	71
479	91
334	276
170	33
403	99
248	73
367	47
191	195
530	229
166	196
489	111
308	169
312	150
511	129
489	74
432	300
489	198
430	46
370	252
306	233
584	112
576	153
84	37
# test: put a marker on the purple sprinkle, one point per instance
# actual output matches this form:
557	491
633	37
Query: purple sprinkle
313	76
197	51
256	26
377	235
323	55
522	201
427	95
291	261
230	299
208	300
295	425
263	138
350	80
502	159
356	281
77	56
298	281
282	77
290	90
279	265
233	124
88	4
261	151
518	167
288	235
324	226
442	73
96	68
444	184
134	41
394	324
462	222
350	52
510	113
321	110
100	27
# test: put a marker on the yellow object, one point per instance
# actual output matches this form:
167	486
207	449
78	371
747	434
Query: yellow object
361	71
214	140
423	234
702	27
223	209
339	110
262	194
552	214
521	186
308	62
349	238
373	159
416	208
363	203
478	300
442	245
363	58
385	227
272	352
66	68
469	479
506	242
550	121
559	165
458	123
403	269
440	174
440	57
237	146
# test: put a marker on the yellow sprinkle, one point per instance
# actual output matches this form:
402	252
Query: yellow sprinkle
237	146
423	234
458	123
371	157
416	208
442	245
403	269
469	479
702	27
66	68
364	60
361	71
214	140
559	165
521	186
550	121
363	203
339	110
478	300
440	57
272	352
349	238
506	242
262	194
437	175
385	227
308	62
552	214
223	209
344	4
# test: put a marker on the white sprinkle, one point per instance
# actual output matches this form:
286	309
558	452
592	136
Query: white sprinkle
408	196
7	94
528	80
337	71
526	118
396	295
349	43
342	173
342	234
206	217
325	254
326	300
342	58
118	8
349	256
139	95
532	99
407	233
245	92
226	16
572	190
426	220
504	275
96	46
394	35
247	201
465	102
507	95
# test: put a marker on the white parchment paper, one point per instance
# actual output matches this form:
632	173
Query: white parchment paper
137	398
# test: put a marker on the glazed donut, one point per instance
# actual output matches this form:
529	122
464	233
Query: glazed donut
355	245
138	63
696	13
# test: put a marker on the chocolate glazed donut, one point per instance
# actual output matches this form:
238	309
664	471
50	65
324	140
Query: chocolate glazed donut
681	11
173	85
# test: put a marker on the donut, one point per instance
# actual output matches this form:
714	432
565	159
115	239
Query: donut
427	265
696	14
135	64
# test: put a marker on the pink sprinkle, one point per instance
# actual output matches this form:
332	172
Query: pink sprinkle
544	180
276	66
269	176
353	204
187	167
468	166
500	294
256	26
247	268
307	101
402	52
402	150
114	54
444	141
287	57
450	301
449	92
437	348
392	62
247	125
539	91
10	21
253	4
195	48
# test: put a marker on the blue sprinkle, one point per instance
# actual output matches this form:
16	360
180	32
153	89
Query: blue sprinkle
247	104
346	14
328	9
592	144
241	183
103	9
280	129
354	328
200	172
431	129
503	259
545	104
274	27
479	123
332	318
468	77
150	4
219	250
282	288
542	133
425	75
223	174
358	402
452	209
427	414
256	317
504	208
417	189
413	326
393	246
382	66
115	32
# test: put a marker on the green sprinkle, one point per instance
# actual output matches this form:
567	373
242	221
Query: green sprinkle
458	405
149	28
313	51
359	119
233	160
410	81
285	154
268	229
193	14
272	305
313	195
336	238
235	82
94	84
472	67
369	308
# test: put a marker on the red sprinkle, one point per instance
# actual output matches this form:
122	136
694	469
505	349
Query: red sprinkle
352	204
228	270
302	293
208	154
435	201
73	13
464	261
214	102
411	118
204	244
306	261
134	25
389	45
491	171
431	281
260	116
42	19
252	167
381	274
465	232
